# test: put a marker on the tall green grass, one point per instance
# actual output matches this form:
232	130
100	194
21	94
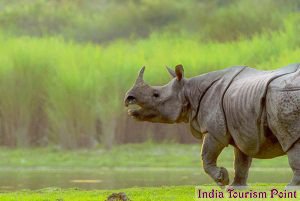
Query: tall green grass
54	91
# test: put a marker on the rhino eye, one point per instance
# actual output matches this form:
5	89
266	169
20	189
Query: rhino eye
156	95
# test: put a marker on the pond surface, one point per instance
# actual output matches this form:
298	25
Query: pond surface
17	179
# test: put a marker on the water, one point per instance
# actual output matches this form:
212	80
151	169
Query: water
17	179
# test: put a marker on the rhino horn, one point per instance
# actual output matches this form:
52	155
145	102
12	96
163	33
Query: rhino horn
140	79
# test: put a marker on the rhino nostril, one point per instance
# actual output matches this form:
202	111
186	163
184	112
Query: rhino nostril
130	98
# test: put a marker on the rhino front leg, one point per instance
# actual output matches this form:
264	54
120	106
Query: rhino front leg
242	164
294	161
211	149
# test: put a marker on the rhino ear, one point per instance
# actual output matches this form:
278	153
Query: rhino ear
179	72
171	71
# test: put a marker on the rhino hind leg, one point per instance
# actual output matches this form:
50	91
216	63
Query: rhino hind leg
294	161
242	164
211	149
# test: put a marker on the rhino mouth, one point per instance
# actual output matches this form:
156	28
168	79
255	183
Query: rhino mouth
133	109
141	113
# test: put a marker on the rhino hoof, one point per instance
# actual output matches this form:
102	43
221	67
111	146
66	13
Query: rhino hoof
291	187
223	178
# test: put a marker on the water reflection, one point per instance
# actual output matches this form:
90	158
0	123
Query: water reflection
122	178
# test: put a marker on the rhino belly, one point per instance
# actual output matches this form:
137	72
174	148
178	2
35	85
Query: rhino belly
269	148
283	114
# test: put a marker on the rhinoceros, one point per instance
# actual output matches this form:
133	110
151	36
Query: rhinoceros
257	112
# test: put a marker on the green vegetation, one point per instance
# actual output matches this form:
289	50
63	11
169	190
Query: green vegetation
65	65
124	156
180	193
58	92
163	193
103	21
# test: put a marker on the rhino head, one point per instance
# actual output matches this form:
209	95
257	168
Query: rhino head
161	104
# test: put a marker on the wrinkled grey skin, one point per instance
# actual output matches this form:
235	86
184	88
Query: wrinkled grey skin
257	112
